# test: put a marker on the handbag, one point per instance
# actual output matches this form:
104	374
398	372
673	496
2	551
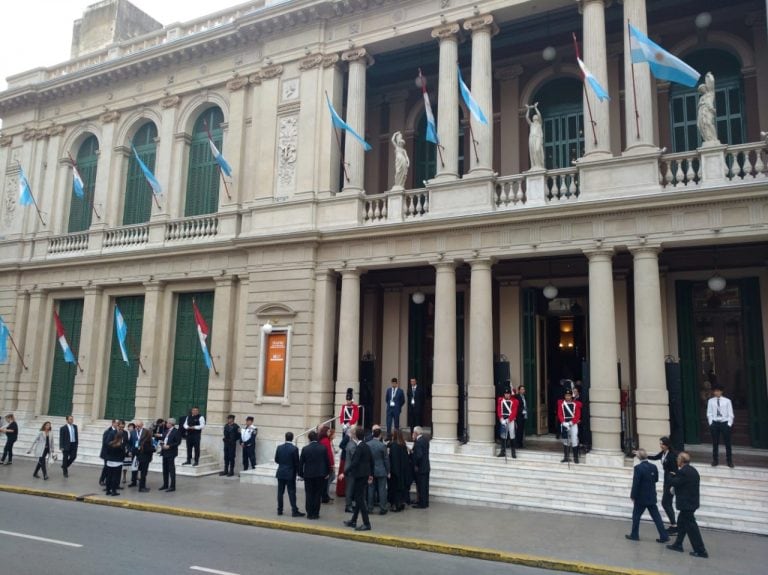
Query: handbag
135	464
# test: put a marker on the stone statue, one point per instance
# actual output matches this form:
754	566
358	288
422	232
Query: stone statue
536	137
706	114
401	161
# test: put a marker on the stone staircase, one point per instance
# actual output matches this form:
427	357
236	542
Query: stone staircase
89	447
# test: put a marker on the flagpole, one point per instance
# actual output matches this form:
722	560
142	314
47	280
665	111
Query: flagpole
338	142
221	173
634	85
586	94
474	142
132	343
13	343
223	179
440	153
424	91
213	363
34	201
93	205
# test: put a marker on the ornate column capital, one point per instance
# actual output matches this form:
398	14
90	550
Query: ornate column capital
582	3
310	62
443	265
170	102
153	285
226	280
357	54
109	116
330	60
270	72
643	250
447	31
93	290
236	83
481	23
506	73
599	254
5	141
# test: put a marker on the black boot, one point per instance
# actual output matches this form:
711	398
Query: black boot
512	449
565	458
503	452
37	469
576	454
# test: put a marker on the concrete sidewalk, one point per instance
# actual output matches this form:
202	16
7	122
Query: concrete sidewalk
582	544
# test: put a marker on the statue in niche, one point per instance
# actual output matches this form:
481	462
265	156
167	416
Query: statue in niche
535	137
401	161
706	114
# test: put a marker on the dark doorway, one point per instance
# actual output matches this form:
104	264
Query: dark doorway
566	346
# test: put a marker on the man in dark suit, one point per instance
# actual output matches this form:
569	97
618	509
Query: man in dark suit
314	470
685	482
106	437
417	397
170	449
361	468
394	399
68	439
421	467
668	458
522	415
144	451
287	459
644	497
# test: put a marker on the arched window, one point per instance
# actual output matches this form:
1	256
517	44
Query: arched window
203	177
729	101
80	209
138	193
561	106
426	156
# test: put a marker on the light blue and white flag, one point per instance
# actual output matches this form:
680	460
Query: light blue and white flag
225	167
663	65
342	125
473	106
25	191
590	79
3	341
431	126
77	182
122	333
150	177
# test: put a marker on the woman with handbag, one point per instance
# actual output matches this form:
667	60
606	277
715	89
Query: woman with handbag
43	448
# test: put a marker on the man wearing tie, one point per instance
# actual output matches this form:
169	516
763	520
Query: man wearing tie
287	459
394	398
522	415
170	449
68	444
416	400
720	418
135	438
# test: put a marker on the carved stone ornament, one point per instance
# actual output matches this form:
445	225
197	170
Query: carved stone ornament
237	83
5	141
170	102
289	89
271	72
109	117
479	23
55	130
330	60
310	62
255	78
355	54
287	154
29	134
9	201
446	32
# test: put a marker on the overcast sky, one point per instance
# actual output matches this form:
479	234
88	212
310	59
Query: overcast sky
39	32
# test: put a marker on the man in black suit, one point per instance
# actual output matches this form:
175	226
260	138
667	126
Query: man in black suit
685	482
644	497
231	439
522	415
170	449
287	459
68	439
106	437
668	458
361	468
314	470
421	467
417	397
394	399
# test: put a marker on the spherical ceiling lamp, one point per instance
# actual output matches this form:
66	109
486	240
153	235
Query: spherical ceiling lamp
549	53
418	297
550	291
267	328
703	20
716	283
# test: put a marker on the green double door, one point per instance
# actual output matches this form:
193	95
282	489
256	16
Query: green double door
189	385
63	373
121	389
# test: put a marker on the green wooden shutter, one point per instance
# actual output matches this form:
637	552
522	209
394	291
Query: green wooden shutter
425	152
686	343
138	192
530	381
189	384
121	389
80	209
63	373
203	178
752	315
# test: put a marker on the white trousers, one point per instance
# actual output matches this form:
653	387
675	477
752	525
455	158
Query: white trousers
573	436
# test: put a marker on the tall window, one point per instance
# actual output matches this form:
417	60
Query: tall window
426	157
138	193
80	209
203	178
729	102
560	103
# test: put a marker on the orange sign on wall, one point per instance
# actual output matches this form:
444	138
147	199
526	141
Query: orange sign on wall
274	368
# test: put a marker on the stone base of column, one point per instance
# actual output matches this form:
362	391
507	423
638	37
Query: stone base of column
352	190
444	177
483	448
479	173
596	155
605	458
640	149
443	446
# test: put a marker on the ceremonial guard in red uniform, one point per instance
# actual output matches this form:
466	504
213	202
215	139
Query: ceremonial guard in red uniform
506	411
569	416
348	417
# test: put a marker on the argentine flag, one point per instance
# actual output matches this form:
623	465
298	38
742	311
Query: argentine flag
150	177
202	334
431	126
216	156
122	333
473	106
25	191
342	125
592	81
3	341
663	65
77	182
62	337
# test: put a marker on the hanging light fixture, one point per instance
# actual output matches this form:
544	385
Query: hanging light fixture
418	296
716	282
549	53
550	291
267	328
703	20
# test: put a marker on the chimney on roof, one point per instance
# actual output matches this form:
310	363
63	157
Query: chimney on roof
109	22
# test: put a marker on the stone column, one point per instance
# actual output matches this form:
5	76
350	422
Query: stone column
32	384
639	127
509	94
89	389
596	59
321	399
510	328
18	328
603	378
348	367
169	160
329	156
152	330
394	330
221	346
233	144
354	153
448	101
313	114
482	28
651	396
112	214
109	161
480	385
445	401
264	128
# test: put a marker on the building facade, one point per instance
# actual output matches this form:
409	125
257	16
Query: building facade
314	275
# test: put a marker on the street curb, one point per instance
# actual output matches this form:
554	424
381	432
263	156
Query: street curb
467	551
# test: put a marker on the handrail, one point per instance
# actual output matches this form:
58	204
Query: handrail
296	439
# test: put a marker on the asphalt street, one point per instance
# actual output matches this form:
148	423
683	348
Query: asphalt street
39	535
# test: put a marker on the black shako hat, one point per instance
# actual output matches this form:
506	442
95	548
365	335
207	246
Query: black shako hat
350	394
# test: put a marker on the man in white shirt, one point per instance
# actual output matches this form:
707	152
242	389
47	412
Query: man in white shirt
720	418
248	440
194	425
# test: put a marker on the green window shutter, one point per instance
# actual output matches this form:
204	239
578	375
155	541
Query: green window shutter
686	342
203	178
121	389
63	373
80	209
530	379
138	192
755	361
425	152
189	384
